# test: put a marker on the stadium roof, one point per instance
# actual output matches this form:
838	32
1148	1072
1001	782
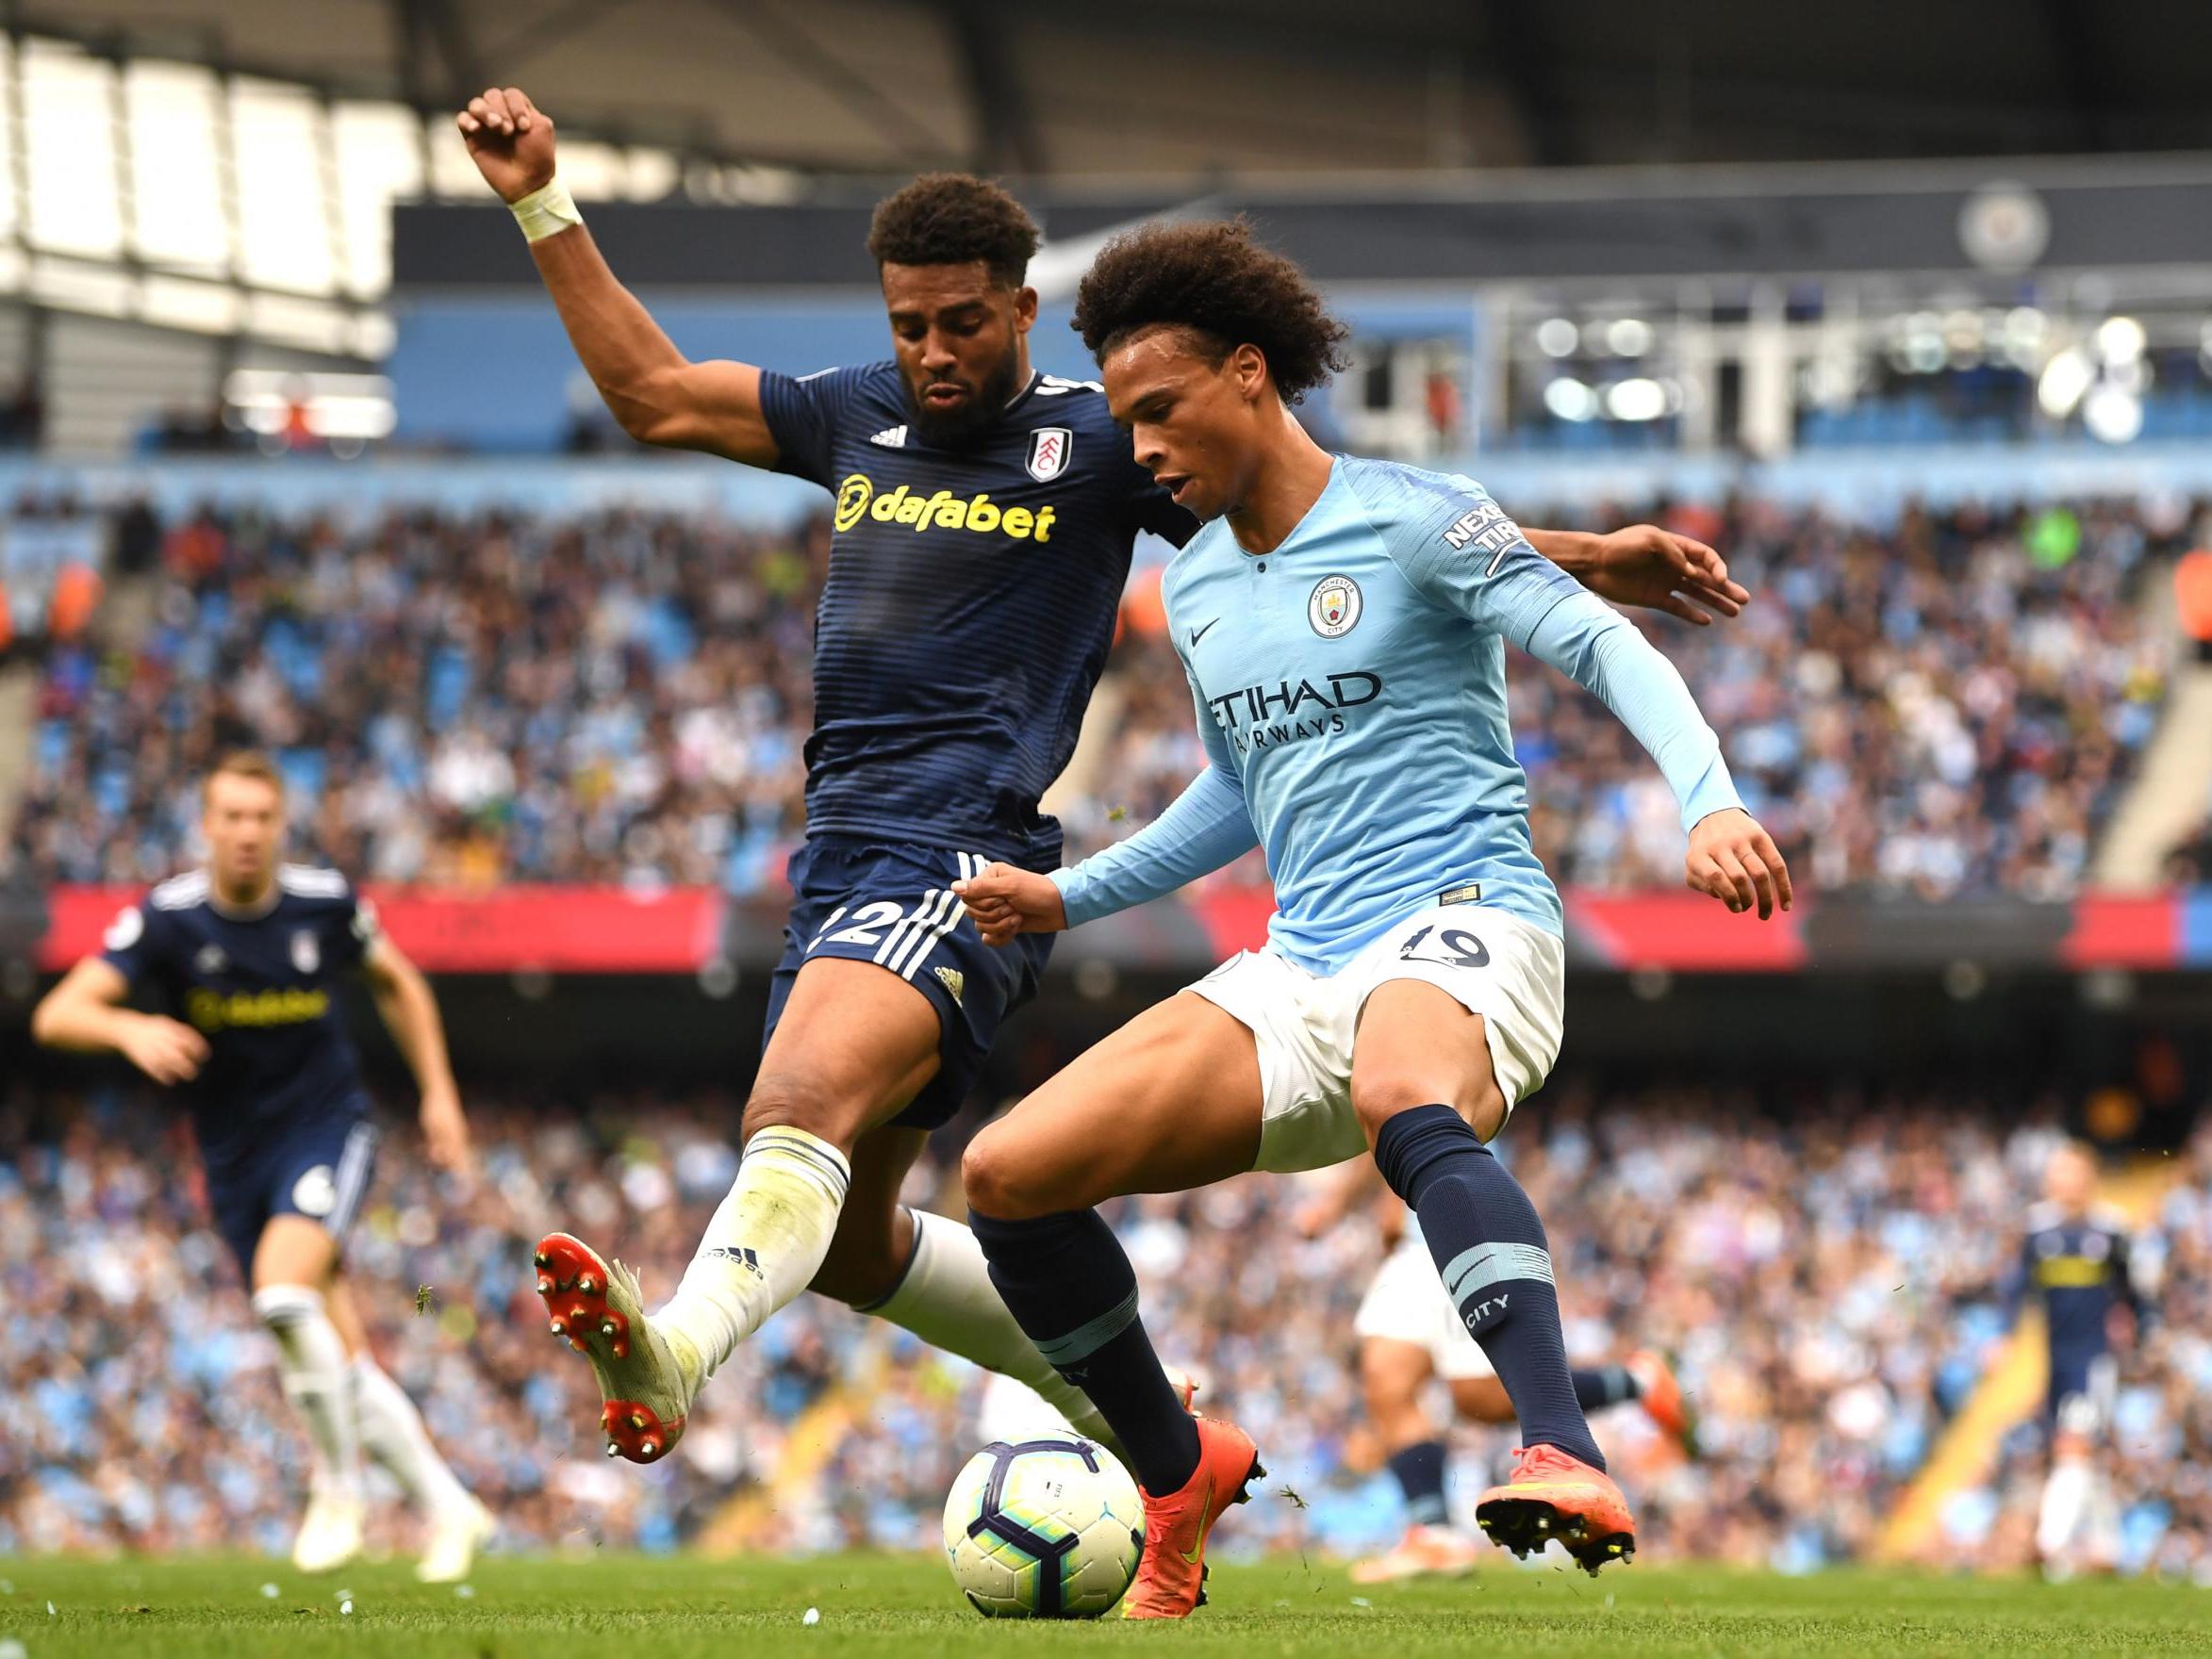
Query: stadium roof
1194	86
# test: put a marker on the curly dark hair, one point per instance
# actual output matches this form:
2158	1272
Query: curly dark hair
1220	283
951	219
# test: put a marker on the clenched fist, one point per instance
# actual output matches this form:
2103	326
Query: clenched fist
1005	901
510	140
169	1051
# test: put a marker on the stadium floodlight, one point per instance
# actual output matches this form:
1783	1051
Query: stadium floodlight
1556	337
1569	399
2119	340
2064	379
1630	337
2113	414
1636	400
2025	330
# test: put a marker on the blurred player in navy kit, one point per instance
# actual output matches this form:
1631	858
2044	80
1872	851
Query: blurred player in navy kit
2075	1260
243	954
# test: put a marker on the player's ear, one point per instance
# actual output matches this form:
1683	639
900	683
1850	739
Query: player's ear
1247	366
1025	309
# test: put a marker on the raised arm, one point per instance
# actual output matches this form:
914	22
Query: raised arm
659	396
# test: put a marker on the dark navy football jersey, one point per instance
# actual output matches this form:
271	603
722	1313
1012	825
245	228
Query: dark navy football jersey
969	605
259	988
2080	1269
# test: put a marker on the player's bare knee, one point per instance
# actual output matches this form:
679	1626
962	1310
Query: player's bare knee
791	1100
1482	1400
1485	1112
1391	1374
1380	1096
998	1182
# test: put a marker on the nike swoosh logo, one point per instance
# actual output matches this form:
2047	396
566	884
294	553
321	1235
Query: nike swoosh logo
1198	634
1206	1507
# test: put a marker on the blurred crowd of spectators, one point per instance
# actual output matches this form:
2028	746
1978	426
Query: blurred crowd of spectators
458	701
1826	1268
1946	705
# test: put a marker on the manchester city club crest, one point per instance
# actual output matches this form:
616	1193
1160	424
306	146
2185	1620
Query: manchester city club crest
1049	448
1334	607
306	952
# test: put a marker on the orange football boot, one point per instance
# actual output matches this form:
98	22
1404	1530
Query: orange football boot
1553	1495
1661	1397
1171	1577
1425	1551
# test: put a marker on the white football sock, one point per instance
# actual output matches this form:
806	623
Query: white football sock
2066	1499
311	1361
947	1300
764	1244
392	1432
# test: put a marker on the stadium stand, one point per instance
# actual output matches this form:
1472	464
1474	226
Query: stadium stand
1825	1264
463	700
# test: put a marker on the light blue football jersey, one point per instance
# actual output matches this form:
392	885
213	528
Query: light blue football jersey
1351	691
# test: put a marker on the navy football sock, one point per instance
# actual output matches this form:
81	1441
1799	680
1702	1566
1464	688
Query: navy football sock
1069	1285
1420	1471
1609	1384
1490	1247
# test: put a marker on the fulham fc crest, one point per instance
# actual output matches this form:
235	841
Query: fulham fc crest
1334	607
306	952
1048	447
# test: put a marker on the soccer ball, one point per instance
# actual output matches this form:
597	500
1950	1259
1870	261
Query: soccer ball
1047	1528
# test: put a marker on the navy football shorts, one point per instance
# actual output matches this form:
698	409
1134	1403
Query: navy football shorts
317	1166
2084	1385
892	904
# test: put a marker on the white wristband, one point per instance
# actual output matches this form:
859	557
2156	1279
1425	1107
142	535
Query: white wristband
546	211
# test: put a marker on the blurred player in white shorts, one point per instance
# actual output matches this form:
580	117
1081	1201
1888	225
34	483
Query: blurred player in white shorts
1409	1333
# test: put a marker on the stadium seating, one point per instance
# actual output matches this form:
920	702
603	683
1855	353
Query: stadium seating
1826	1268
1946	705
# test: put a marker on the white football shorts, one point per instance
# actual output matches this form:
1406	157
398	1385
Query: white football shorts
1489	961
1407	1303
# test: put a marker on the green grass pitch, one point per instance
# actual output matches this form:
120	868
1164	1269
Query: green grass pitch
639	1608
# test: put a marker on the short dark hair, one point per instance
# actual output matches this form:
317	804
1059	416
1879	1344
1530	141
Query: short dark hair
1217	280
954	219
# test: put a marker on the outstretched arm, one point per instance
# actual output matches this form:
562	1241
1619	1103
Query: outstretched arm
1730	857
1464	553
659	396
1205	828
1644	564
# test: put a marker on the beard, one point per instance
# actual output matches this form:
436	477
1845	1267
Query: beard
959	428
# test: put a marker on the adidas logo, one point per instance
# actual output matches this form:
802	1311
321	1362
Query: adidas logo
891	438
743	1257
